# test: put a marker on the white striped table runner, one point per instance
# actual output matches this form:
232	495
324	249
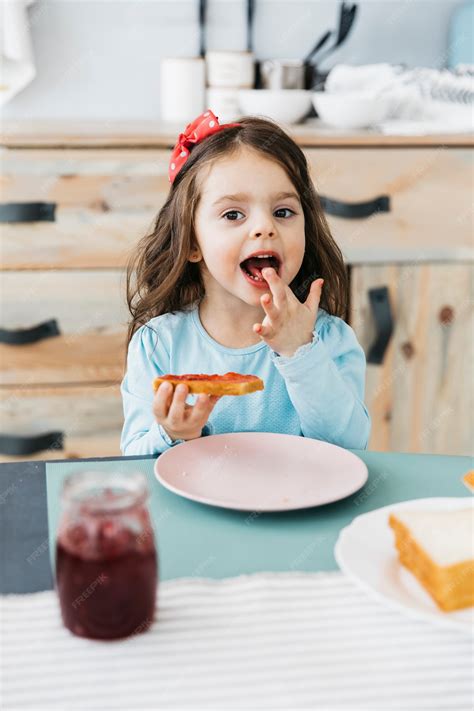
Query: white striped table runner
263	641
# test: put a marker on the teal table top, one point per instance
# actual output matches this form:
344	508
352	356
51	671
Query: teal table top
195	540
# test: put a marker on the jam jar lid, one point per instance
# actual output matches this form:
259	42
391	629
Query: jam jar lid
97	492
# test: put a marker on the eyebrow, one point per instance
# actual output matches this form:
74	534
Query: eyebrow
244	196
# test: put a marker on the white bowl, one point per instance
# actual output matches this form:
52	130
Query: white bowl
285	105
352	109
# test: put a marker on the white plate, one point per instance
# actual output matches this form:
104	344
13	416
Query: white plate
365	551
260	471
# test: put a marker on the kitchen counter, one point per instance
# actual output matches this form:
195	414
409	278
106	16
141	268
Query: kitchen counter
312	133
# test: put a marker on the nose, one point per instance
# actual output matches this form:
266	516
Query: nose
263	227
262	233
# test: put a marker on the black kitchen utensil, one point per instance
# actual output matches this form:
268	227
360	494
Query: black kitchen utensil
202	27
250	18
347	15
346	20
309	66
319	44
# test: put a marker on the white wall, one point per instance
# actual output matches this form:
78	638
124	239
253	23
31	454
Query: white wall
100	58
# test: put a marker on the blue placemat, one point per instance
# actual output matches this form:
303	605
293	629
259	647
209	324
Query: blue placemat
204	541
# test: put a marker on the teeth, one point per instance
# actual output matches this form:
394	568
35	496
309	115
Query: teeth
253	277
262	256
259	256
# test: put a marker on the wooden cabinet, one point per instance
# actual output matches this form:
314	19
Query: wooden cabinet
421	395
421	249
65	277
68	271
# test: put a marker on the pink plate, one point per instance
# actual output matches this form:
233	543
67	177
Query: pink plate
260	471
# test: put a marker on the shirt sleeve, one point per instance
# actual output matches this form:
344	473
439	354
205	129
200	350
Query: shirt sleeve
325	380
147	358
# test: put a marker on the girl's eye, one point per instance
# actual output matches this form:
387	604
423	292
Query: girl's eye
233	213
283	209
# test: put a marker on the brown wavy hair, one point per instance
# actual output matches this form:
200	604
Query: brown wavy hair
160	279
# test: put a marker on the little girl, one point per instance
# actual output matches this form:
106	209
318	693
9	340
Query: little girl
231	279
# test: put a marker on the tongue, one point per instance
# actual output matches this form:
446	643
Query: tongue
256	264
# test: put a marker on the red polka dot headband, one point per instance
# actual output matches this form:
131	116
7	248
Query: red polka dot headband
204	125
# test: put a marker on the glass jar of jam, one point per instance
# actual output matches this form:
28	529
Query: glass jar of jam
106	560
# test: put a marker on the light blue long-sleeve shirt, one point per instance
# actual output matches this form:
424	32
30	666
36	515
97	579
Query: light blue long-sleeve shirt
318	392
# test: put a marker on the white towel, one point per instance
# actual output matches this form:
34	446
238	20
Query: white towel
17	66
347	77
264	641
422	100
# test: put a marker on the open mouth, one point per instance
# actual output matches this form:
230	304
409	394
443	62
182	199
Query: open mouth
252	267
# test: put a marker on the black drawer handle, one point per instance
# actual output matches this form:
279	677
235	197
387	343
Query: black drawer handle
22	336
14	445
355	210
382	313
27	211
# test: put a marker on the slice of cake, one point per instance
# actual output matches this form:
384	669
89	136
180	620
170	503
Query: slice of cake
438	548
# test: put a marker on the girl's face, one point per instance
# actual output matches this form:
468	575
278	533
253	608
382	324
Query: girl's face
248	204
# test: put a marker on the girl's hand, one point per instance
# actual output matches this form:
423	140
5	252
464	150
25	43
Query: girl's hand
288	323
181	421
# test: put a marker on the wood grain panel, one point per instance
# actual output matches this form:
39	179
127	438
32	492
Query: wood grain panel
430	189
74	358
90	416
152	133
88	302
105	202
81	239
421	397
